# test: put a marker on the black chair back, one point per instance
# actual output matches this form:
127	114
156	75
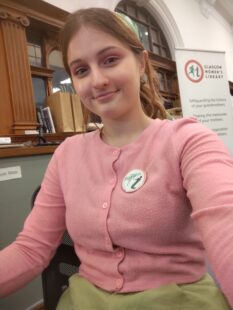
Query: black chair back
55	277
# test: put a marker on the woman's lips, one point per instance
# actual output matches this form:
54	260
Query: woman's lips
105	96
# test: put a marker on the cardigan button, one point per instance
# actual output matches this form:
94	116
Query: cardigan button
104	205
120	253
115	152
119	283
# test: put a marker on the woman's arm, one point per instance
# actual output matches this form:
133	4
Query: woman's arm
207	170
43	229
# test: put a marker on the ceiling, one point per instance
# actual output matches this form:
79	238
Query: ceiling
225	8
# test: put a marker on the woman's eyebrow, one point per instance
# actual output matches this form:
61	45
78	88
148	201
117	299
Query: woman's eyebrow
100	52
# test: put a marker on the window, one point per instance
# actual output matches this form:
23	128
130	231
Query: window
35	55
60	79
155	43
36	59
48	73
39	87
150	33
34	45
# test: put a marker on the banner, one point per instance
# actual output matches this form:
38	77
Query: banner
204	90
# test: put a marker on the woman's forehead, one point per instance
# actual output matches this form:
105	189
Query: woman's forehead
94	32
88	39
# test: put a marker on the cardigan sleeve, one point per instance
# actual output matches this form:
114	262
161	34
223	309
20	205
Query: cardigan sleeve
207	171
43	229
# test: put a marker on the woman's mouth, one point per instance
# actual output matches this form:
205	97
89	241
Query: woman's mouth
105	96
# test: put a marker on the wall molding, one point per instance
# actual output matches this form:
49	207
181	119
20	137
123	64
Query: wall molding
207	8
167	23
19	19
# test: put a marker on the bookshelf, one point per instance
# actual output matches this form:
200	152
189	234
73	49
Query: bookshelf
17	19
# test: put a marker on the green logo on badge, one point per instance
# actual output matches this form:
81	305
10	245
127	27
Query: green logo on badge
133	180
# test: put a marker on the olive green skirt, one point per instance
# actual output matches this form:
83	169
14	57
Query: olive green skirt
201	295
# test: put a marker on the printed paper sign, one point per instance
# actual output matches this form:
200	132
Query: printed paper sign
10	173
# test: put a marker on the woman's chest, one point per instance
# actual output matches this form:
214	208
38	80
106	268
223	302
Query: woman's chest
125	201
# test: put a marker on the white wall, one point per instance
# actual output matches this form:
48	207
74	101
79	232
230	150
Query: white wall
201	32
182	21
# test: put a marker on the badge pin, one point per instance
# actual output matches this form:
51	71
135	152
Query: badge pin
133	180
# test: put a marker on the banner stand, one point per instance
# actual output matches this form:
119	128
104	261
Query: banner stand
204	90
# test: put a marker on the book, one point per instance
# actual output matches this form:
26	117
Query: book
48	119
41	120
77	112
61	110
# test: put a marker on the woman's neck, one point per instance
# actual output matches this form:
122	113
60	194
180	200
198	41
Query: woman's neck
119	133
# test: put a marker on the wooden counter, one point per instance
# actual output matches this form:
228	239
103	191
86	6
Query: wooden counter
29	148
27	151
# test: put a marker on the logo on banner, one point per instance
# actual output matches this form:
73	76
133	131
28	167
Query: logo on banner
194	71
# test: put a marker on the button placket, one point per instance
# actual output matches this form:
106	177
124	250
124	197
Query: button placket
107	241
112	181
107	196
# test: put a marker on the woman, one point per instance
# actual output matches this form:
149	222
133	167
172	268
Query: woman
144	199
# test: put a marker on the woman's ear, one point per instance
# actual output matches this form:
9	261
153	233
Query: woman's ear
143	60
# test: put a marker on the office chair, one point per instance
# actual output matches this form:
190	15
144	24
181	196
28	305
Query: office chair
64	263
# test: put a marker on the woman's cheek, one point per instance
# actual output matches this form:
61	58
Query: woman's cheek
83	91
78	89
83	96
74	84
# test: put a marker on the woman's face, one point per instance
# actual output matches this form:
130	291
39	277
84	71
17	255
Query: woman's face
105	74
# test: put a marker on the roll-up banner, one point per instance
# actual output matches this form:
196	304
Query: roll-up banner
204	90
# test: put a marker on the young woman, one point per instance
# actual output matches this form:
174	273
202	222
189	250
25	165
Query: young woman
144	199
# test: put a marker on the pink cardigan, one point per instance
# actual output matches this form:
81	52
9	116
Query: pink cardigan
133	230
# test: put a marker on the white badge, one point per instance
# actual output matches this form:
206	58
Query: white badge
133	180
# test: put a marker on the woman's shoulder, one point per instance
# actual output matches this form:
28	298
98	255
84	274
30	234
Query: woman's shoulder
185	126
181	122
188	134
76	142
187	131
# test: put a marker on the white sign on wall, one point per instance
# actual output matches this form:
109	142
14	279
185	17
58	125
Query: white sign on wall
204	90
10	173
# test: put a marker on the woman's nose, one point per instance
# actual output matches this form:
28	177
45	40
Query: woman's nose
99	78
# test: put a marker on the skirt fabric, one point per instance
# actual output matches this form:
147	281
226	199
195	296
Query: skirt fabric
201	295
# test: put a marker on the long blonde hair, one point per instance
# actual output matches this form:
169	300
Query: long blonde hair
111	23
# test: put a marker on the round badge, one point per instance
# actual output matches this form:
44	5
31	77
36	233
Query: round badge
133	180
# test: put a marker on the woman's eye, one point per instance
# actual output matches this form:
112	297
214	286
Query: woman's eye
80	71
110	60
